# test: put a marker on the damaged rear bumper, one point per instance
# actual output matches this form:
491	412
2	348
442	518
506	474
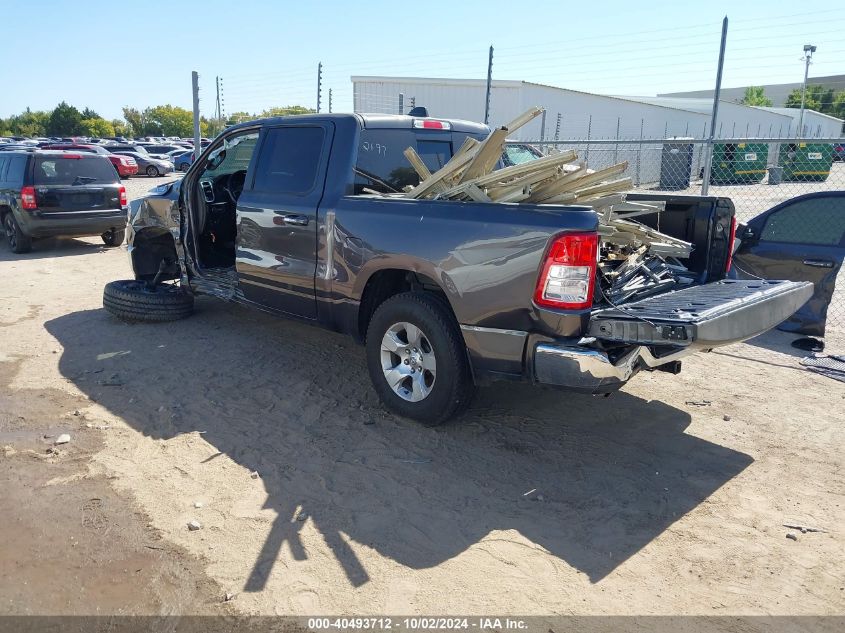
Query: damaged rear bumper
592	370
676	323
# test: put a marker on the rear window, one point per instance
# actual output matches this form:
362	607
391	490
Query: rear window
59	170
382	165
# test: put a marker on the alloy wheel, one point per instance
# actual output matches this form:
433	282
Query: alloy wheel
408	361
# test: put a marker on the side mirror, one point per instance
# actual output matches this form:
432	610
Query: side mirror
747	234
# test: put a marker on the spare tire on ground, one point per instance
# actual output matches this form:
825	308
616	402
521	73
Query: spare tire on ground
133	300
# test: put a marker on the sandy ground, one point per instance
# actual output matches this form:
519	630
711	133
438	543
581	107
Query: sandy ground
666	498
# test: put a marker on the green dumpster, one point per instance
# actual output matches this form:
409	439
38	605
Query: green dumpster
738	163
806	162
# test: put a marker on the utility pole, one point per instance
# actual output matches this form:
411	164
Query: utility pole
708	161
195	85
489	87
809	49
330	100
217	114
319	84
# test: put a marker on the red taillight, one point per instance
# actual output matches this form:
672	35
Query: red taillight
432	125
731	245
123	200
71	156
28	198
567	279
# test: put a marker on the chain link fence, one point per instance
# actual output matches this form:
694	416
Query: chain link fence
755	173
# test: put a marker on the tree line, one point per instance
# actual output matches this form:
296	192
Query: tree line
818	97
161	120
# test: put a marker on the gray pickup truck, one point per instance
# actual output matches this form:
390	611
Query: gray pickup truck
281	214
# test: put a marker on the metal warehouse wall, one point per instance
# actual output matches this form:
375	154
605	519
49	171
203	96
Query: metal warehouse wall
586	116
447	98
815	123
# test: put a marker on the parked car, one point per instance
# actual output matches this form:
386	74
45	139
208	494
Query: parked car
153	167
839	152
802	239
161	149
125	165
182	161
519	153
127	147
52	193
444	294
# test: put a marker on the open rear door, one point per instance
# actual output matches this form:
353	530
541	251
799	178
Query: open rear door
706	316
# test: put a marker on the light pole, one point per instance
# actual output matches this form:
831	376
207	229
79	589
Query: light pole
809	49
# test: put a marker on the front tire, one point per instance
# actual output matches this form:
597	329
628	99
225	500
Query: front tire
114	238
152	171
131	300
417	359
18	241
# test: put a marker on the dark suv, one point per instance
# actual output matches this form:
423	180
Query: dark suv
50	193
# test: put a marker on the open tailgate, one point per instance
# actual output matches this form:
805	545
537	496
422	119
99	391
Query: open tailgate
708	316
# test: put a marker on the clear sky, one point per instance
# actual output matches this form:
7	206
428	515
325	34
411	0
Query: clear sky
107	54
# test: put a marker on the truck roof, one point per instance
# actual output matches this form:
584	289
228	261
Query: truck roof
372	121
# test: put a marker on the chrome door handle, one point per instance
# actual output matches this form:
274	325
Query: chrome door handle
819	263
296	220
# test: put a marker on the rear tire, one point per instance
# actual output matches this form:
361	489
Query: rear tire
114	238
18	241
131	300
152	171
428	338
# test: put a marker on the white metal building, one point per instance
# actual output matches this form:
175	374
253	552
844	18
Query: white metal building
582	114
815	124
572	115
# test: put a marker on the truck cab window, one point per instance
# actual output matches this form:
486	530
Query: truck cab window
289	160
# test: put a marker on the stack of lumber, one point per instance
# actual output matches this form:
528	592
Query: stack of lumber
635	259
556	179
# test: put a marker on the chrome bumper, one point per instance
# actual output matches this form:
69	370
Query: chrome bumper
587	369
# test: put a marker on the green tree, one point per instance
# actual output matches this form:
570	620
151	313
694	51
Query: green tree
135	120
88	113
121	128
96	127
837	108
756	96
28	123
286	111
168	120
65	120
818	98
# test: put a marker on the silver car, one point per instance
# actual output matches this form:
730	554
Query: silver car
149	165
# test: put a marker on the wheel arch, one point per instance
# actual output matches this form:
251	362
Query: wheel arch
387	282
148	247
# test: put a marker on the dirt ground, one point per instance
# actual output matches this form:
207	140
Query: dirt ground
669	497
